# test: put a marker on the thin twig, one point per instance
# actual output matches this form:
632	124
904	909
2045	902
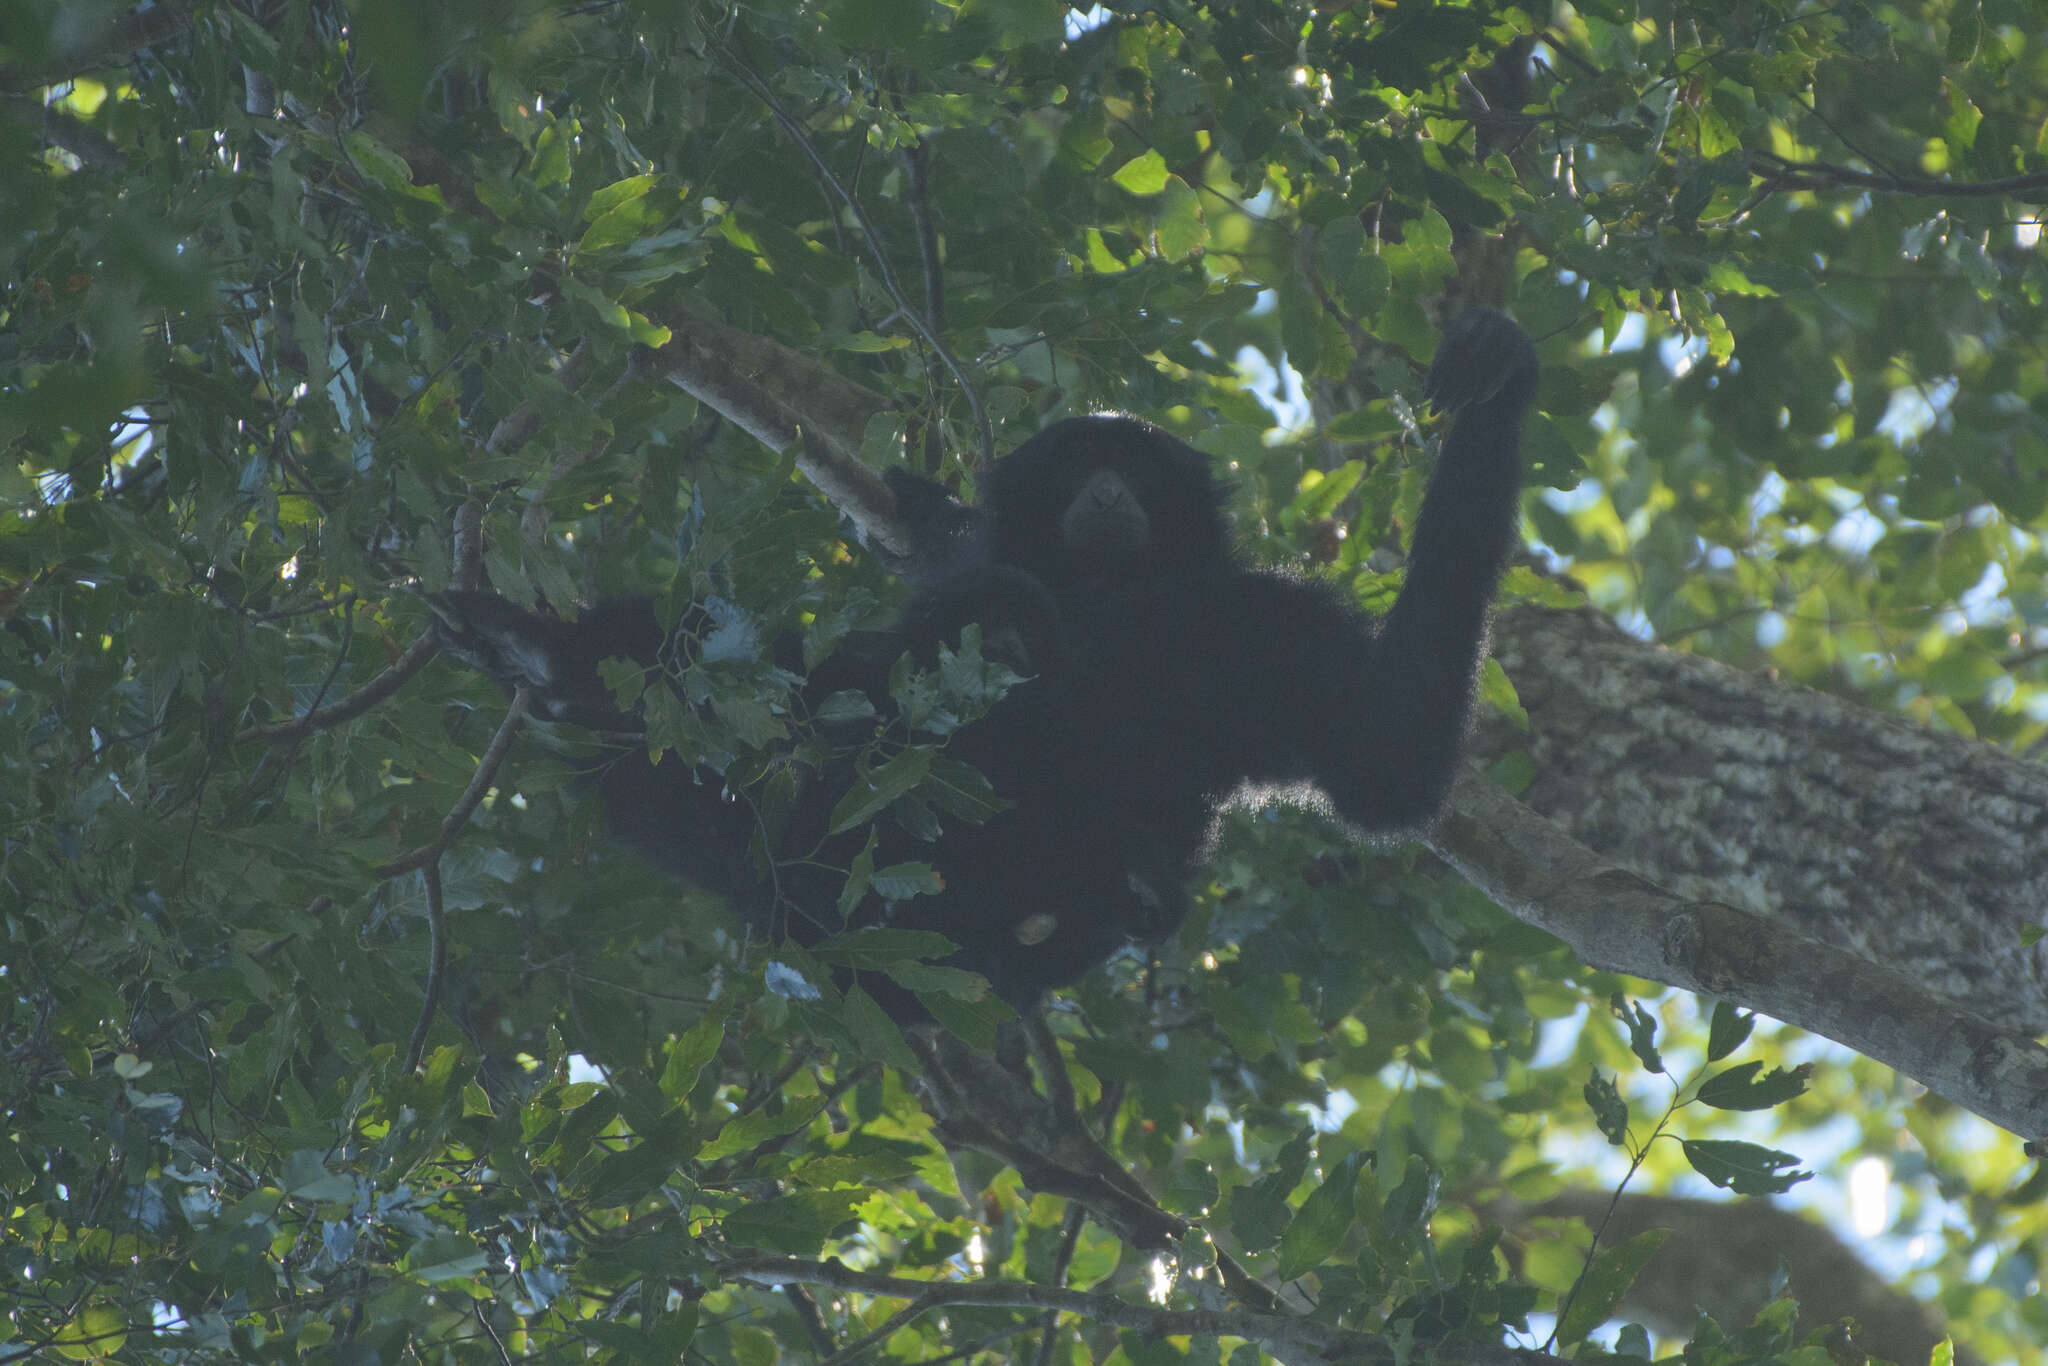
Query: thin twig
873	237
356	703
1070	1238
437	963
1808	175
1281	1336
479	783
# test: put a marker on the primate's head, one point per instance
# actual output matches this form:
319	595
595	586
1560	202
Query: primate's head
1105	500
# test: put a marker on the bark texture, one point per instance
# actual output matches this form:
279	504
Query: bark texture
1614	918
1920	850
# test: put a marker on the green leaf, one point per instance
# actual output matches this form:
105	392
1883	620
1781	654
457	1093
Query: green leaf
1739	1088
1745	1168
875	1035
1498	692
1730	1028
629	1176
873	791
1642	1031
1548	458
1178	225
845	706
960	790
1266	1212
551	149
751	1130
625	213
1410	1204
1610	1112
1322	1221
95	1334
1321	491
792	1224
1144	174
870	343
873	949
1604	1283
445	1257
306	1177
1018	23
384	166
1371	422
605	310
902	881
688	1054
860	876
960	1001
879	24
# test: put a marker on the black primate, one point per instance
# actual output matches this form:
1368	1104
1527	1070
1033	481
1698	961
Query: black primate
1162	676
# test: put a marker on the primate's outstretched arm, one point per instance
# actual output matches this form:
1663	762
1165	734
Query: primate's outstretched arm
1375	712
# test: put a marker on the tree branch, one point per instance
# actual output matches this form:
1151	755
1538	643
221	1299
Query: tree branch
1284	1338
784	399
479	783
979	1104
1812	175
356	703
464	570
1613	919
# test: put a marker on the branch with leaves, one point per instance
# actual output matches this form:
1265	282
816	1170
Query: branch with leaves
1284	1338
1782	173
1614	919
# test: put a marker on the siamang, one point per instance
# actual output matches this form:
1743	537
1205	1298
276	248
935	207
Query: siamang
1158	677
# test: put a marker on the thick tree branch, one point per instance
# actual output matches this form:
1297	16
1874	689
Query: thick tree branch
1910	846
357	703
1615	920
983	1106
784	400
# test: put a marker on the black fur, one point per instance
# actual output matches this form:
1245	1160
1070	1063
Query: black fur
1162	676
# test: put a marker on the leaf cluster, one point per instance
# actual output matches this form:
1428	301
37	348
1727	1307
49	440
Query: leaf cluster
285	295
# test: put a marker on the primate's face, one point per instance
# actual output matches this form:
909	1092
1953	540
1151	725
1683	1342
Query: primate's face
1106	523
1094	502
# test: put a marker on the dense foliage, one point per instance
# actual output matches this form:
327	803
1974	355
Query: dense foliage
305	1053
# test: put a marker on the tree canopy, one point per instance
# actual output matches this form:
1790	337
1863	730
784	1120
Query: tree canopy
331	1027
